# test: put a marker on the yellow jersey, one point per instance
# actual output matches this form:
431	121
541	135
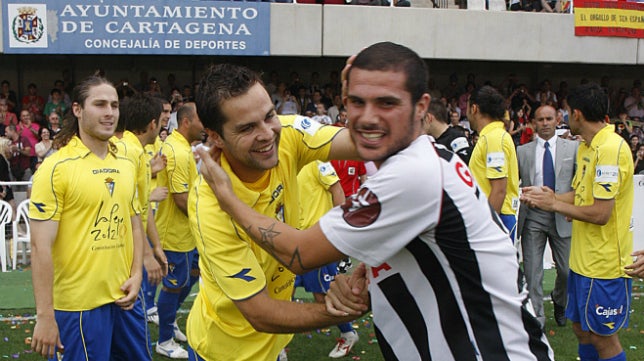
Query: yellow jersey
314	181
604	171
130	146
232	266
495	157
179	176
92	200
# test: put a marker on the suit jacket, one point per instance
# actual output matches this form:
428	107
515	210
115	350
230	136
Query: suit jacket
565	164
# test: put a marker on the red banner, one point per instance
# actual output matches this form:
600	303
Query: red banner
609	18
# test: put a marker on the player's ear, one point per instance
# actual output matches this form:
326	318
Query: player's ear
216	139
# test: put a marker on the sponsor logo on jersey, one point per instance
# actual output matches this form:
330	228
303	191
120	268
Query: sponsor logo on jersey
109	184
375	271
306	124
362	208
606	173
608	311
243	275
495	160
464	174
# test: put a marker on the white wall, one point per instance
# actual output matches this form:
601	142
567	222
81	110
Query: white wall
443	34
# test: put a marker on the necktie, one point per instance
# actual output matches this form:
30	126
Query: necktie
548	168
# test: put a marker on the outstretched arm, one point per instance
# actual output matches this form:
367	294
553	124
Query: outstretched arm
298	250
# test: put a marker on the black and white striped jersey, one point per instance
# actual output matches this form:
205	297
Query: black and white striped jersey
443	276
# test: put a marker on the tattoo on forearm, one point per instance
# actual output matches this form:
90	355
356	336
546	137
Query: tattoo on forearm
266	239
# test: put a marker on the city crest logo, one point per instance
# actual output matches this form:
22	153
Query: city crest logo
28	24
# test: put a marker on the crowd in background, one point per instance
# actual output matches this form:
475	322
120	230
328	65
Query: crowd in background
31	120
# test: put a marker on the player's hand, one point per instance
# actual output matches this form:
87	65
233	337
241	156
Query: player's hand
348	296
637	268
539	197
215	176
46	338
343	76
153	268
159	255
131	289
159	194
157	163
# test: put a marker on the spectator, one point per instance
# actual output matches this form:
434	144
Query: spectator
6	117
520	97
60	85
303	99
634	104
34	103
321	116
288	104
56	104
545	95
334	110
465	97
163	133
44	148
29	130
639	159
311	108
9	95
54	123
6	193
20	154
634	142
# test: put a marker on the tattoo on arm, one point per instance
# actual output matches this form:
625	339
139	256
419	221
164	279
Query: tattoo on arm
266	239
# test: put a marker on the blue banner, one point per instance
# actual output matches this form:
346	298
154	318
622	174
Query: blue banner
167	27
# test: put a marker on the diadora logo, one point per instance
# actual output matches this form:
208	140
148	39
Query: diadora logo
608	311
606	186
276	193
39	206
243	275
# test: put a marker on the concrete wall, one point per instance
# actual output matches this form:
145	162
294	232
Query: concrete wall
444	34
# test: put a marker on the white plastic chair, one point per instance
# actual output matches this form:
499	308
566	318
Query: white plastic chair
6	214
22	216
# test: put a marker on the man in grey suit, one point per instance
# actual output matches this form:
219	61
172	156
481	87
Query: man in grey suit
546	161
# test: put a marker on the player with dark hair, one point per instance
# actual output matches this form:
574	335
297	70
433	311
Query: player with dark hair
86	240
435	247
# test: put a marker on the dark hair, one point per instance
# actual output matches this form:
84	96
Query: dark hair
489	101
590	100
41	130
438	110
220	83
187	110
137	111
69	127
55	90
387	56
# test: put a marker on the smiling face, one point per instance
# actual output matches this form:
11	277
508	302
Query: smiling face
98	116
251	133
382	118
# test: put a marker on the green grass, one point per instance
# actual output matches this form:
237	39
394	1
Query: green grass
309	346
